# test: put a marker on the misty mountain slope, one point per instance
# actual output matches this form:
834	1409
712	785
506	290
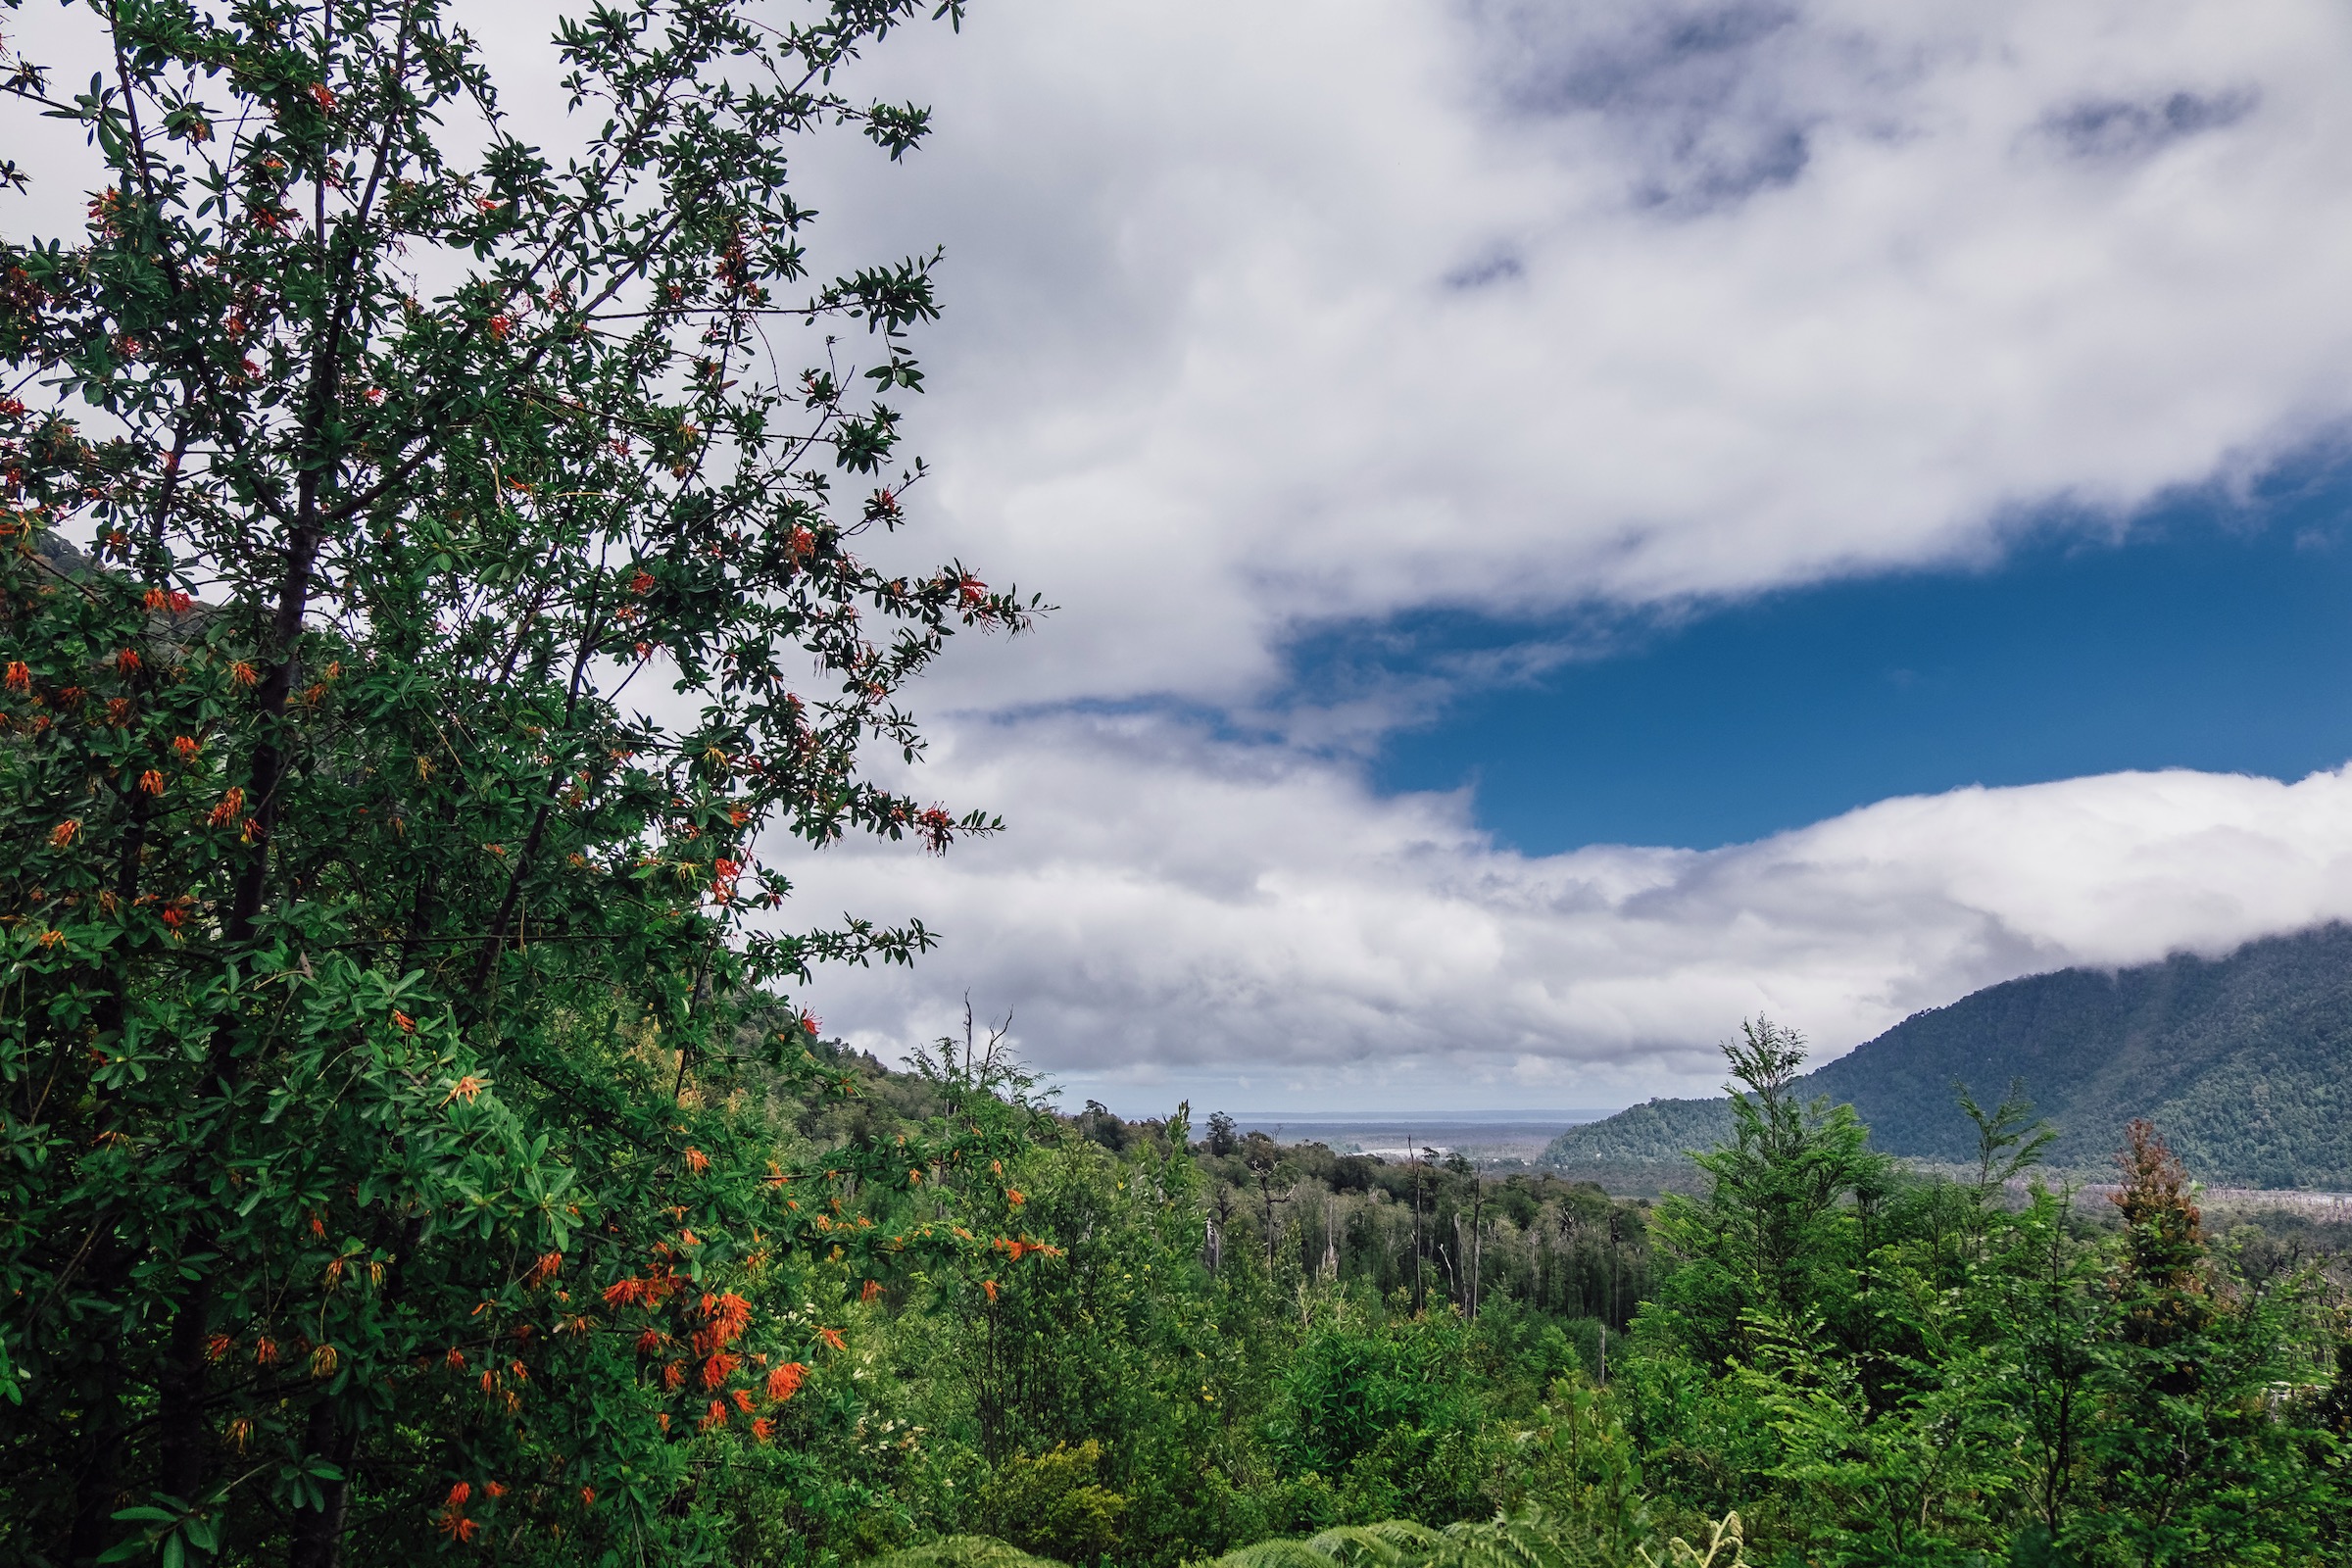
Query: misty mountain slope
2244	1063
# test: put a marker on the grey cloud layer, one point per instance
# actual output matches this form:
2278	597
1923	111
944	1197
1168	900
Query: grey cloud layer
1193	907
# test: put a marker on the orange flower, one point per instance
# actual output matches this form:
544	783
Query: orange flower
155	598
587	1497
264	1352
324	98
152	782
833	1337
697	1161
242	673
550	1264
743	1400
673	1375
62	834
650	1343
232	806
625	1293
467	1088
456	1359
126	660
455	1526
186	748
870	1290
762	1429
990	1285
20	680
458	1496
785	1381
730	1315
218	1346
717	1369
1014	1196
405	1025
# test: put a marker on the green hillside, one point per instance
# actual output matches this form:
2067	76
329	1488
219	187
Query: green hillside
2243	1061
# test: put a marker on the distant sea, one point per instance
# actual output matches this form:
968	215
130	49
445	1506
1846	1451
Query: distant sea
1486	1136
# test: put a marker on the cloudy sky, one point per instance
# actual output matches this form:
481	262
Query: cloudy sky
1574	524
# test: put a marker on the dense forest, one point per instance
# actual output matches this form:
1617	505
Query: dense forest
1171	1343
1232	1341
1235	1340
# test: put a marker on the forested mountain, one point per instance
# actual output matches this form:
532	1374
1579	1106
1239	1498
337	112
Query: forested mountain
2243	1061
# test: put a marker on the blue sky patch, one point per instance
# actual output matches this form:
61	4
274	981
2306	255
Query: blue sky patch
2217	635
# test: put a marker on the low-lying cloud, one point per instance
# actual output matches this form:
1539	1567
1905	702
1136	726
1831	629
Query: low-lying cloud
1176	914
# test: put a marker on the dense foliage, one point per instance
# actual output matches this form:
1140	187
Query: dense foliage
390	1058
1863	1364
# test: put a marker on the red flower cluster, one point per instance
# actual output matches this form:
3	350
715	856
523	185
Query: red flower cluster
450	1520
656	1287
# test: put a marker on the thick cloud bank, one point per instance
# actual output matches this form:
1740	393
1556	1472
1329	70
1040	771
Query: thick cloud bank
1176	915
1263	315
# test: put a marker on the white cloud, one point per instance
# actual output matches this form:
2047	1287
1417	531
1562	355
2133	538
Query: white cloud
1174	911
1773	294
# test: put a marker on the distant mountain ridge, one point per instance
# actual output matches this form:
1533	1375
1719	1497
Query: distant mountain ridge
2244	1063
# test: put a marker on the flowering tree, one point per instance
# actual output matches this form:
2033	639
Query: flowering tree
383	1037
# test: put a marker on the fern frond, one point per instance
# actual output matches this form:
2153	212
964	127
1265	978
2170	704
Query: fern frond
1680	1554
1277	1553
962	1551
